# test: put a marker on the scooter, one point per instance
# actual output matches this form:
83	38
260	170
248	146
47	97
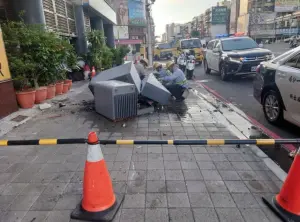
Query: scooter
293	45
190	67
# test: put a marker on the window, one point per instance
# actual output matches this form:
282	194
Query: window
238	44
218	45
210	45
191	43
294	62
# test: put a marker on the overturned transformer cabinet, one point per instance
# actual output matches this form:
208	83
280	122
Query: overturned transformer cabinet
115	100
124	73
153	89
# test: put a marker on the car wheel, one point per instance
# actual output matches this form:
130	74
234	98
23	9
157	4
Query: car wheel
272	107
206	69
223	72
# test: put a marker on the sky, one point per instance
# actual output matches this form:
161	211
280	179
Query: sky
177	11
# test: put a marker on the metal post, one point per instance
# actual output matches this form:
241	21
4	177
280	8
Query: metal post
149	40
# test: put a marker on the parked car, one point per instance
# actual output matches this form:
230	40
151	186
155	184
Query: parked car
287	40
234	56
277	87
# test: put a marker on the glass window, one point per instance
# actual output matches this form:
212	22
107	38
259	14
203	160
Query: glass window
191	43
238	44
217	45
210	45
294	62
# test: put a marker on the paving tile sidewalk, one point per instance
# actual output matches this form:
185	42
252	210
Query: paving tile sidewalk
161	183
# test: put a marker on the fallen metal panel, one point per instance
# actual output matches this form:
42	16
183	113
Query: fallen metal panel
153	89
124	73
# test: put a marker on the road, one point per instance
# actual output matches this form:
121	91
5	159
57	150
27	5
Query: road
240	93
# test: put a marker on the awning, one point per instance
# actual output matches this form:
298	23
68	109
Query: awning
128	41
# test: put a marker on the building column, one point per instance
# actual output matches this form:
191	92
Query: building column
81	41
33	11
109	34
97	23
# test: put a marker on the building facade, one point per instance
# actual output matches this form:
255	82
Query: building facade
287	21
72	18
234	15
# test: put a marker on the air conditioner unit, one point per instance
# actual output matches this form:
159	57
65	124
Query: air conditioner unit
125	73
115	100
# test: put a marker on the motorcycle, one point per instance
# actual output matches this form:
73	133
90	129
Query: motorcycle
294	45
190	67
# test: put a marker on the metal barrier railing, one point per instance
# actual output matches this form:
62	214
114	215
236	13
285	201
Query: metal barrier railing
152	142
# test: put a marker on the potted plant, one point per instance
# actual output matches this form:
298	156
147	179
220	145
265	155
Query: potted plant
25	94
21	65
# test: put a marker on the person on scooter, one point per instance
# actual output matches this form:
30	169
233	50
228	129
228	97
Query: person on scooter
141	67
181	61
175	83
190	65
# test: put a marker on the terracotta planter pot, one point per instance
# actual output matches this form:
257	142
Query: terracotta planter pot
51	91
40	95
26	98
65	88
59	88
69	81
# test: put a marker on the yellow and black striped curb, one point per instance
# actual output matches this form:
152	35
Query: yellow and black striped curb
151	142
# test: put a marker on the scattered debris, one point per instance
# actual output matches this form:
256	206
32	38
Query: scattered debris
255	132
45	106
224	105
61	105
293	154
19	118
124	125
56	116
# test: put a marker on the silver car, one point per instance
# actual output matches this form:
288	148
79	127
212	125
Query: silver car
277	87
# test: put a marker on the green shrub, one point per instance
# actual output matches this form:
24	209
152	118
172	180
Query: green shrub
35	55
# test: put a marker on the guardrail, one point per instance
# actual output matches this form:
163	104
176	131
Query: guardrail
152	142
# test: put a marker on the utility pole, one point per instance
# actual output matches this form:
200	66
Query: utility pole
149	30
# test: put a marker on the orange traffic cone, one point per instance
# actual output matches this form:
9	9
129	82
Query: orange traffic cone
93	72
287	203
99	202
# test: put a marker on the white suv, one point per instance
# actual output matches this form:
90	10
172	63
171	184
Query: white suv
277	87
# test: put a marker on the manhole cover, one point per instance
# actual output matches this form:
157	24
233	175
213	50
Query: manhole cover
19	118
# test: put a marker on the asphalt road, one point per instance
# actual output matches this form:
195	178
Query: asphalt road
240	92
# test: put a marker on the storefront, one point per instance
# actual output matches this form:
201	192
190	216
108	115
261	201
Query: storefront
8	103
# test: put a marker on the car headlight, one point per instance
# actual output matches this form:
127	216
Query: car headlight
232	59
270	57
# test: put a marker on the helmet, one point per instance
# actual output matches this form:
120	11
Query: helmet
145	61
169	64
156	65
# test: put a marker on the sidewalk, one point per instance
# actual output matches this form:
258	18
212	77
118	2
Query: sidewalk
162	183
